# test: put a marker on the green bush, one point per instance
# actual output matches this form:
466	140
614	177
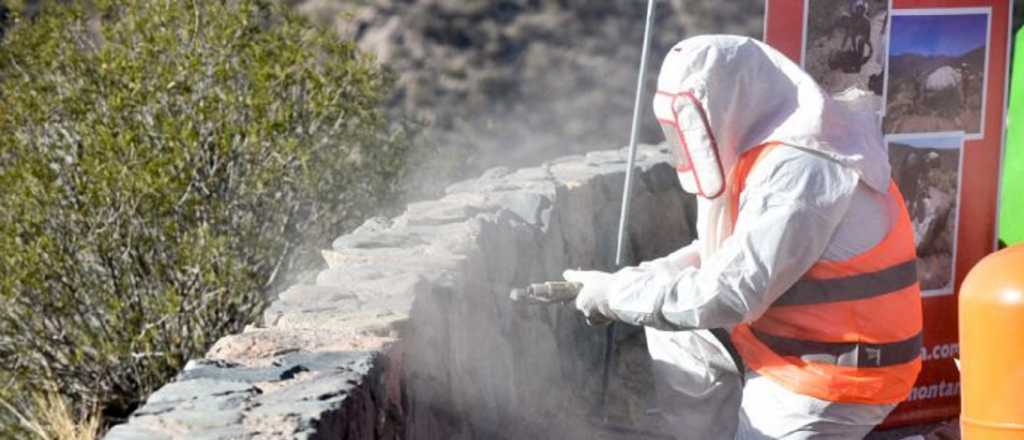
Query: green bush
162	164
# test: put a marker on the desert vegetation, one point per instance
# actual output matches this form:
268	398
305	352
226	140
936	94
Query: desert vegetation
513	83
164	166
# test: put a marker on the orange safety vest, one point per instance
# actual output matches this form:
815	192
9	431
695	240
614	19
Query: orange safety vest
847	331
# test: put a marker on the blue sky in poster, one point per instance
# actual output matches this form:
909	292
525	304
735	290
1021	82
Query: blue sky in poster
952	35
939	141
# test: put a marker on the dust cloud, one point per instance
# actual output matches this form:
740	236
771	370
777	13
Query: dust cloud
514	83
511	84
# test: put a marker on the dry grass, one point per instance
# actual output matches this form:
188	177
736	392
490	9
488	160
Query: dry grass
54	419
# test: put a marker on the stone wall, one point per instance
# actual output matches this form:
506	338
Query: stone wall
409	333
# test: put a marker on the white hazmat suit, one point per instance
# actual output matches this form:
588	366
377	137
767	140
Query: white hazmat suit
822	194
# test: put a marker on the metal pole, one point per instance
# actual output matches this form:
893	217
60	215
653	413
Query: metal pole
627	190
609	347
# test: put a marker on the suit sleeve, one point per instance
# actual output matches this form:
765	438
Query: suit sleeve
790	208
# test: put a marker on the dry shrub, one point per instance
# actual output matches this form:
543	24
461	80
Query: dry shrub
163	163
54	418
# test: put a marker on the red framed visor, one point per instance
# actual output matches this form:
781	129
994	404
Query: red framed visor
692	144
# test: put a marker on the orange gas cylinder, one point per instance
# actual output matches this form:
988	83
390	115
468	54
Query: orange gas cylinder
992	347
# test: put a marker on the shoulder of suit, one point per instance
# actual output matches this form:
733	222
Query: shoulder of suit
787	168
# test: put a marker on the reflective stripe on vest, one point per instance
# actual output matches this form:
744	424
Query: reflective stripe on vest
862	286
846	354
848	331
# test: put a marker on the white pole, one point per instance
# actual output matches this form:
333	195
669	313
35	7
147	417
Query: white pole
627	189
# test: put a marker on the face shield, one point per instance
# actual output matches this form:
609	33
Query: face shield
692	144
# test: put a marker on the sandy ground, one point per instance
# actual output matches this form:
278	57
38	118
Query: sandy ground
932	123
904	116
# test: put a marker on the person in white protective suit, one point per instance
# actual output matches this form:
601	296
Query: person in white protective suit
804	254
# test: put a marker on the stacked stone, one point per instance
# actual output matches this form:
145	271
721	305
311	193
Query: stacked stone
409	332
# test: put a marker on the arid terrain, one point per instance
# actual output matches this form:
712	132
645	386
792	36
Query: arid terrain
928	179
510	83
908	111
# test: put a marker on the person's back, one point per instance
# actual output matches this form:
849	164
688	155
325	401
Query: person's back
805	253
865	218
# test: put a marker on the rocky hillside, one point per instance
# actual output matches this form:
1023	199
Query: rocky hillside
513	82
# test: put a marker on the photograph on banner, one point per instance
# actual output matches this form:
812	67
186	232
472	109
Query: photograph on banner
937	64
845	46
927	170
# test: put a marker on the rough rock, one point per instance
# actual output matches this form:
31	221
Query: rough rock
289	398
409	332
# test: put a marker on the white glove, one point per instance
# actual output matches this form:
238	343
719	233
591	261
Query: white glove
592	300
598	287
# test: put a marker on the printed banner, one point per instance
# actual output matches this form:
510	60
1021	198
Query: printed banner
936	73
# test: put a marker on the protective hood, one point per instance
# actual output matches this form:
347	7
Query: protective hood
719	96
